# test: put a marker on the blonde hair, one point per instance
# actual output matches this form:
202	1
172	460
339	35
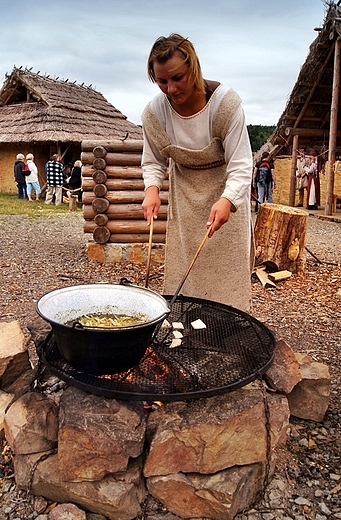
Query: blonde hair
165	48
78	163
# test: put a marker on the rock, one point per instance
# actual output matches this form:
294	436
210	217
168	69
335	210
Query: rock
97	436
284	373
310	397
117	497
217	497
31	424
14	359
209	435
67	512
5	400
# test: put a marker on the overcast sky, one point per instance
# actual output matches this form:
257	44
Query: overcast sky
254	46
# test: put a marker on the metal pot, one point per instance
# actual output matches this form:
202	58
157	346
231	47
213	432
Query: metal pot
102	351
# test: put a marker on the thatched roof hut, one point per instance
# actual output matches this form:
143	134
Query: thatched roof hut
311	118
43	115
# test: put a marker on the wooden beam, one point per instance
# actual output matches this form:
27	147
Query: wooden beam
333	129
312	90
293	171
308	132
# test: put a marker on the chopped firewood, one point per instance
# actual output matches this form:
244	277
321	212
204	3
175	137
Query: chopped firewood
263	277
280	275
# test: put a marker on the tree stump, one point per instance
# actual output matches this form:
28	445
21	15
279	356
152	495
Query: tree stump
73	198
280	235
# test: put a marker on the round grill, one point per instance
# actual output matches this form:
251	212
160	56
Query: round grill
233	350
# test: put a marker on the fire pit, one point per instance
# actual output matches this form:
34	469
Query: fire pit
233	350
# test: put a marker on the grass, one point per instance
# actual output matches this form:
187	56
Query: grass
11	205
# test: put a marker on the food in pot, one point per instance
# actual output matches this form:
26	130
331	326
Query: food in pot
108	321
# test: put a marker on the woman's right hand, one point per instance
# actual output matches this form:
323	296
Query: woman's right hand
151	203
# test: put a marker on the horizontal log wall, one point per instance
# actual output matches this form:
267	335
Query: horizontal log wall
113	192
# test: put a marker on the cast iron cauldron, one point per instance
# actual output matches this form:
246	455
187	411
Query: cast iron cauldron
102	351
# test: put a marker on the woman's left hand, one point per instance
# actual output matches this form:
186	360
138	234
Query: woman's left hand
220	213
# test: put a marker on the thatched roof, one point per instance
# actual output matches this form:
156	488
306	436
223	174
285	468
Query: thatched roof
36	108
307	112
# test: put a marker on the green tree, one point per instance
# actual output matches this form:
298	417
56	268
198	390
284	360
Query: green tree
259	134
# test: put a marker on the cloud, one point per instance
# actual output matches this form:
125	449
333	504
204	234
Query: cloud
255	47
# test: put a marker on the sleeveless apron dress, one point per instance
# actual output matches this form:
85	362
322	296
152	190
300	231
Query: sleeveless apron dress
197	179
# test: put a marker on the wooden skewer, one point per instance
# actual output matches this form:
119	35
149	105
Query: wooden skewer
190	266
149	249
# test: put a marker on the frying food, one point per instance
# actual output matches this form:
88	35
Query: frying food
109	321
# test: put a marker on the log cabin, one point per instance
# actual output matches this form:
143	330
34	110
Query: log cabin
44	115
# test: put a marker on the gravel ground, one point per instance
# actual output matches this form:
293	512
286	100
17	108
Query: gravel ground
40	254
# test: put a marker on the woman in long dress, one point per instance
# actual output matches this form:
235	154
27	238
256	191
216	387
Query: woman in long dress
313	188
196	130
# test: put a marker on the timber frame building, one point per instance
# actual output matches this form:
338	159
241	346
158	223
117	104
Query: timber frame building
312	118
44	115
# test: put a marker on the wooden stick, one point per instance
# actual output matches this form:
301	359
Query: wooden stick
149	248
190	266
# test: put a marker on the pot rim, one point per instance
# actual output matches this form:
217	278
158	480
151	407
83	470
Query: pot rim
164	313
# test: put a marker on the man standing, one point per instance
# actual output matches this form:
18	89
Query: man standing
264	177
54	179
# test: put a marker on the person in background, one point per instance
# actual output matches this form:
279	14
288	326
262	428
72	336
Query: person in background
303	164
32	182
19	177
264	178
75	180
313	187
54	180
198	128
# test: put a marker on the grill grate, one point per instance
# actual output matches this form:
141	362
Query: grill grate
232	351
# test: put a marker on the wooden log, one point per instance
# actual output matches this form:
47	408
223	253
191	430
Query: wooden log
124	197
99	163
119	172
73	202
136	238
115	145
128	226
280	234
119	184
112	159
101	235
101	219
98	176
100	190
122	212
99	151
99	205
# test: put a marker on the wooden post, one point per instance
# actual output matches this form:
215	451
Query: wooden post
280	234
293	171
333	129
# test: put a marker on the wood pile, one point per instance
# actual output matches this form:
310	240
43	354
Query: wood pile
113	192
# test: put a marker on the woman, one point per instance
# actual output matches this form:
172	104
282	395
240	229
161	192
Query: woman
313	188
32	182
197	127
75	181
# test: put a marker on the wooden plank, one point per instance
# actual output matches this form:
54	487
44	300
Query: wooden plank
280	275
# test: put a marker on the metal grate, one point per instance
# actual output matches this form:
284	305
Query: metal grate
233	350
